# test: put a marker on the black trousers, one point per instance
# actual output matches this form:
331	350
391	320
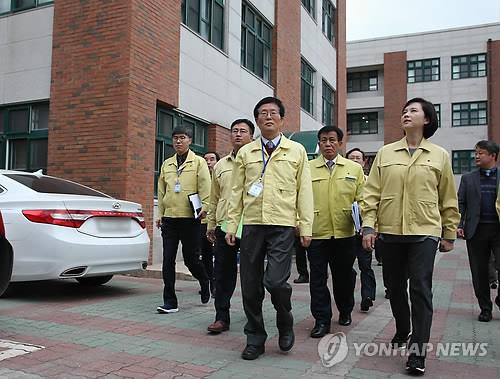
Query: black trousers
226	272
414	261
206	252
301	258
186	230
484	242
368	282
339	255
257	243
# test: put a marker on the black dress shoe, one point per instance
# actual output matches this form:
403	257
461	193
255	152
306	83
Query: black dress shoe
366	303
301	279
484	316
252	352
345	319
320	330
286	340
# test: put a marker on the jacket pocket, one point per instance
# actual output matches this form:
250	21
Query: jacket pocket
389	213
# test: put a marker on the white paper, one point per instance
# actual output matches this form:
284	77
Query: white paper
356	216
195	201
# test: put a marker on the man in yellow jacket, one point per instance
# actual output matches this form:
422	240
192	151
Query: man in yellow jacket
181	175
337	183
226	269
272	189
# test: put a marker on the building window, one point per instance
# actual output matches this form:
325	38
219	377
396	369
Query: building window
307	87
468	66
24	137
328	110
467	114
437	107
8	6
329	20
255	43
425	70
362	123
205	17
310	6
362	81
462	161
166	121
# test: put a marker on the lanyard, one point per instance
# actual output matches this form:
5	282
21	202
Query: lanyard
264	160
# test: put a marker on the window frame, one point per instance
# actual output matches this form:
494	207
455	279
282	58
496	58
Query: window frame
457	166
459	74
30	135
328	20
257	32
421	67
310	7
481	106
364	78
307	84
326	103
37	4
206	19
371	117
437	107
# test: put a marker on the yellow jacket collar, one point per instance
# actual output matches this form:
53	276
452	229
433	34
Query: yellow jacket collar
284	143
402	144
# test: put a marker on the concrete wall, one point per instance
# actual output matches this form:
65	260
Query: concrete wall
26	55
319	52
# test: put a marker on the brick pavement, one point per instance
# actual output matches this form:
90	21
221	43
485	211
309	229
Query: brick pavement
114	332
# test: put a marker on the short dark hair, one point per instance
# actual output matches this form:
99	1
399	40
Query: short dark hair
356	149
250	124
429	111
490	146
327	129
181	129
269	100
217	156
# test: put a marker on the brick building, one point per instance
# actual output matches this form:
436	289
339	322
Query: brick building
90	90
457	69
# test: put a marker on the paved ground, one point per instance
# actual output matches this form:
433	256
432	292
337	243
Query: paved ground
114	332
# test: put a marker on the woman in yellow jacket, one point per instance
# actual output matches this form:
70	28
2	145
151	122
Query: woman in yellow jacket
410	195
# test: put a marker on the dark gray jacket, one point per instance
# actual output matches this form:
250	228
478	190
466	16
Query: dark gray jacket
469	202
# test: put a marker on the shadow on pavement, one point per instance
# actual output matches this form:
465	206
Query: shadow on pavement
64	290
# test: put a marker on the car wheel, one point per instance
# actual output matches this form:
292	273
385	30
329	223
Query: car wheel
94	280
5	265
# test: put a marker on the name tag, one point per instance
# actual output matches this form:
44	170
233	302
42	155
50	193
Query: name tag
256	188
177	187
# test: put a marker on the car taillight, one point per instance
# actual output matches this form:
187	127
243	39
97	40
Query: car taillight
2	228
76	218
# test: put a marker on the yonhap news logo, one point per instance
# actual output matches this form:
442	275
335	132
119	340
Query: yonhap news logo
334	348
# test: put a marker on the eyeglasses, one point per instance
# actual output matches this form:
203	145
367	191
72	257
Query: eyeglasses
265	114
179	138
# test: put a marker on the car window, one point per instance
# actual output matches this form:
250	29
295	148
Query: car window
49	184
1	189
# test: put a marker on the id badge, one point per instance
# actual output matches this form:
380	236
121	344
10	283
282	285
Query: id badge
177	187
256	189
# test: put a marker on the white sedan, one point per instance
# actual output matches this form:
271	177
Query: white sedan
52	228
